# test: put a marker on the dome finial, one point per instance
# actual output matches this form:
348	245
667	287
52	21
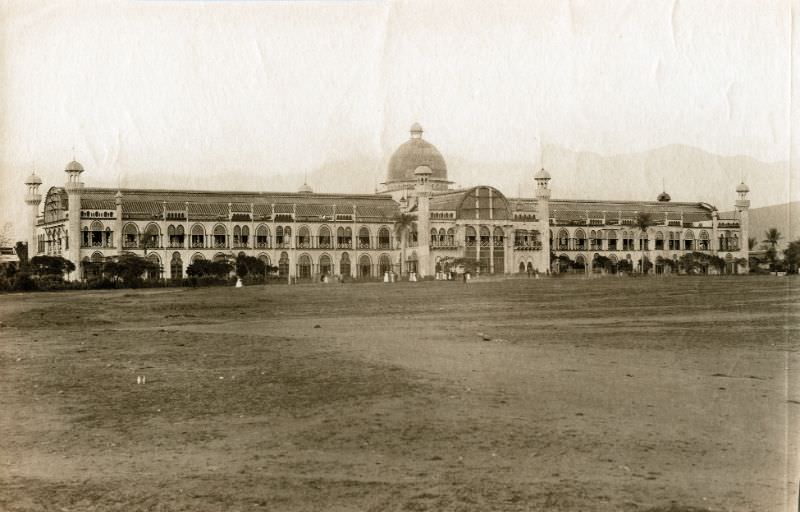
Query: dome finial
305	189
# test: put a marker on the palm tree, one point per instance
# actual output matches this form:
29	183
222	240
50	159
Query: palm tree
402	225
751	243
771	238
643	221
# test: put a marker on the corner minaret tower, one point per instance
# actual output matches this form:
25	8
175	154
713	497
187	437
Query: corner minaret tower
33	199
422	190
74	187
542	179
742	212
118	222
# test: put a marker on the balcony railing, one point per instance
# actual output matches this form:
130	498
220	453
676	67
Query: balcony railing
89	245
528	246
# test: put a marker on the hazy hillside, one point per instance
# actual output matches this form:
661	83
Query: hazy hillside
784	217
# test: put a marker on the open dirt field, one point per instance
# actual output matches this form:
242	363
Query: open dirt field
674	394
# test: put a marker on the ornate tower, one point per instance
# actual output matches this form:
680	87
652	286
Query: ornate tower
542	179
33	198
742	212
118	222
422	190
73	187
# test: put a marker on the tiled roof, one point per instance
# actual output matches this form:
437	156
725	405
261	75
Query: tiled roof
210	205
448	201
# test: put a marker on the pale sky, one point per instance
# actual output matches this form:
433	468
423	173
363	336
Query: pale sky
274	88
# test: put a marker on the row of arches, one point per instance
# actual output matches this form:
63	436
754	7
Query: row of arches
631	240
307	266
240	237
53	241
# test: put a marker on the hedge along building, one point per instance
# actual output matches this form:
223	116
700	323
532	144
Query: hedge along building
308	235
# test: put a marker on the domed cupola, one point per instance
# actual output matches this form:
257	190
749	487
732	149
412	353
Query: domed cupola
33	179
663	197
412	154
74	166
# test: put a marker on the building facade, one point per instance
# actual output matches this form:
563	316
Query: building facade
418	223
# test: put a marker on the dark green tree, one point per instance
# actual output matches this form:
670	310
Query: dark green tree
202	268
250	266
643	221
50	266
129	269
791	256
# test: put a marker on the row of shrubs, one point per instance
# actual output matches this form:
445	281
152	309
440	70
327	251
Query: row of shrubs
23	281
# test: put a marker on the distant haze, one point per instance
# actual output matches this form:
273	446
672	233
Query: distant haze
610	96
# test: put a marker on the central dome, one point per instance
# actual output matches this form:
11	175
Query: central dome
414	153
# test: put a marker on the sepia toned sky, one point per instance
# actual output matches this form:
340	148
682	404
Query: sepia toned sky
194	89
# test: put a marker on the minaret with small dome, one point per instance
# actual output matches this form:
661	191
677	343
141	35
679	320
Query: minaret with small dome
542	179
742	205
33	199
73	188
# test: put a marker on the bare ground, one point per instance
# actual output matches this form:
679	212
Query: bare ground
658	395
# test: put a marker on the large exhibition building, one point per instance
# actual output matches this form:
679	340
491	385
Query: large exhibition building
417	223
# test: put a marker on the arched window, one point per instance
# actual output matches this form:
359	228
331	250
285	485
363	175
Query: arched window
485	237
703	242
451	237
283	265
237	236
176	266
151	238
198	237
197	257
498	236
344	238
580	240
324	241
384	239
304	266
563	240
344	265
220	237
364	266
325	265
611	235
245	236
262	237
130	235
470	236
363	238
303	238
688	240
155	271
659	241
384	264
433	240
265	258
